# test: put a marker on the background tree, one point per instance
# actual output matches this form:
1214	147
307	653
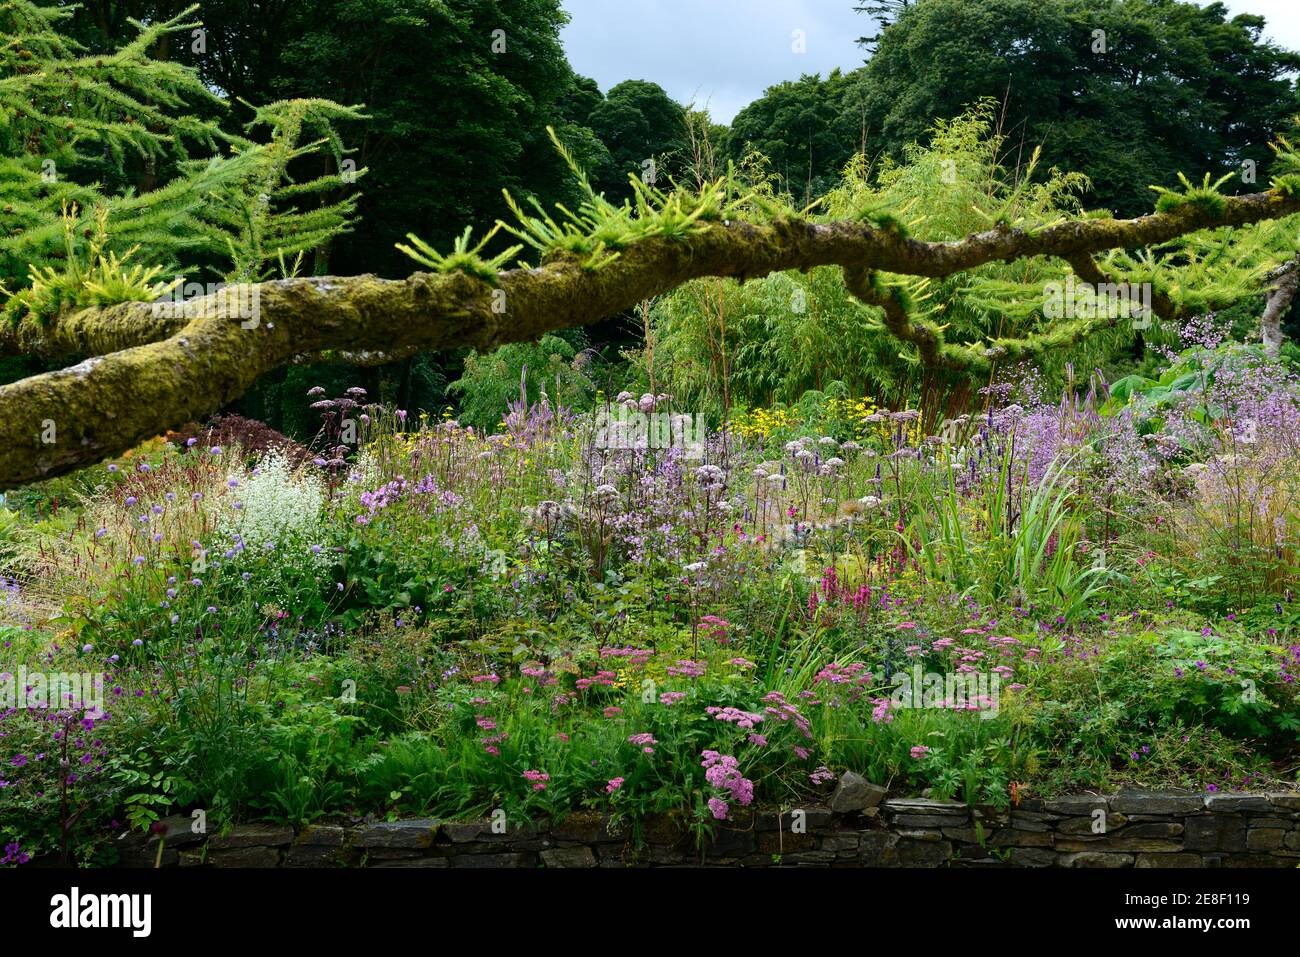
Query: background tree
806	128
1167	87
461	94
637	121
884	12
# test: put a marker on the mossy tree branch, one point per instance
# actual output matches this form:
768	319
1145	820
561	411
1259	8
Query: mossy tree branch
151	372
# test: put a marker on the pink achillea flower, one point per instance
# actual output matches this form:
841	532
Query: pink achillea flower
539	779
644	741
881	711
613	785
722	771
823	775
920	751
613	712
745	720
670	698
494	679
714	627
687	669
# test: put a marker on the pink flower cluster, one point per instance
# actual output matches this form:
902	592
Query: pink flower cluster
636	657
722	771
716	628
539	779
741	719
687	669
855	673
782	710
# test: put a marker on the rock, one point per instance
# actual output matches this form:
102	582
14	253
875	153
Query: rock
845	841
1264	838
930	820
1032	857
1024	818
414	833
462	832
146	856
579	856
878	848
1029	822
1169	860
853	792
321	835
179	831
1163	829
493	860
806	858
245	857
731	842
252	835
1122	843
416	862
1097	859
1238	802
783	842
812	817
1157	802
991	815
1214	832
924	806
1072	804
588	829
315	855
1084	825
1012	837
921	835
1287	802
922	853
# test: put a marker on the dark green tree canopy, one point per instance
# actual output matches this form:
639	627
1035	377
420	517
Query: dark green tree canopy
1129	92
637	121
807	128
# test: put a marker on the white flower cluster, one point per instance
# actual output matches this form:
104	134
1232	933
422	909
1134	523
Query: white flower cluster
277	506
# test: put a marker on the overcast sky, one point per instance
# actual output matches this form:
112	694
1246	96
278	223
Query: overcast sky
727	52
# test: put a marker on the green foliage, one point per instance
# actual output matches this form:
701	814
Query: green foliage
528	373
100	280
1205	197
642	129
463	258
808	129
1148	105
112	156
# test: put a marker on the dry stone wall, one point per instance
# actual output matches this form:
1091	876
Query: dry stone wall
859	827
